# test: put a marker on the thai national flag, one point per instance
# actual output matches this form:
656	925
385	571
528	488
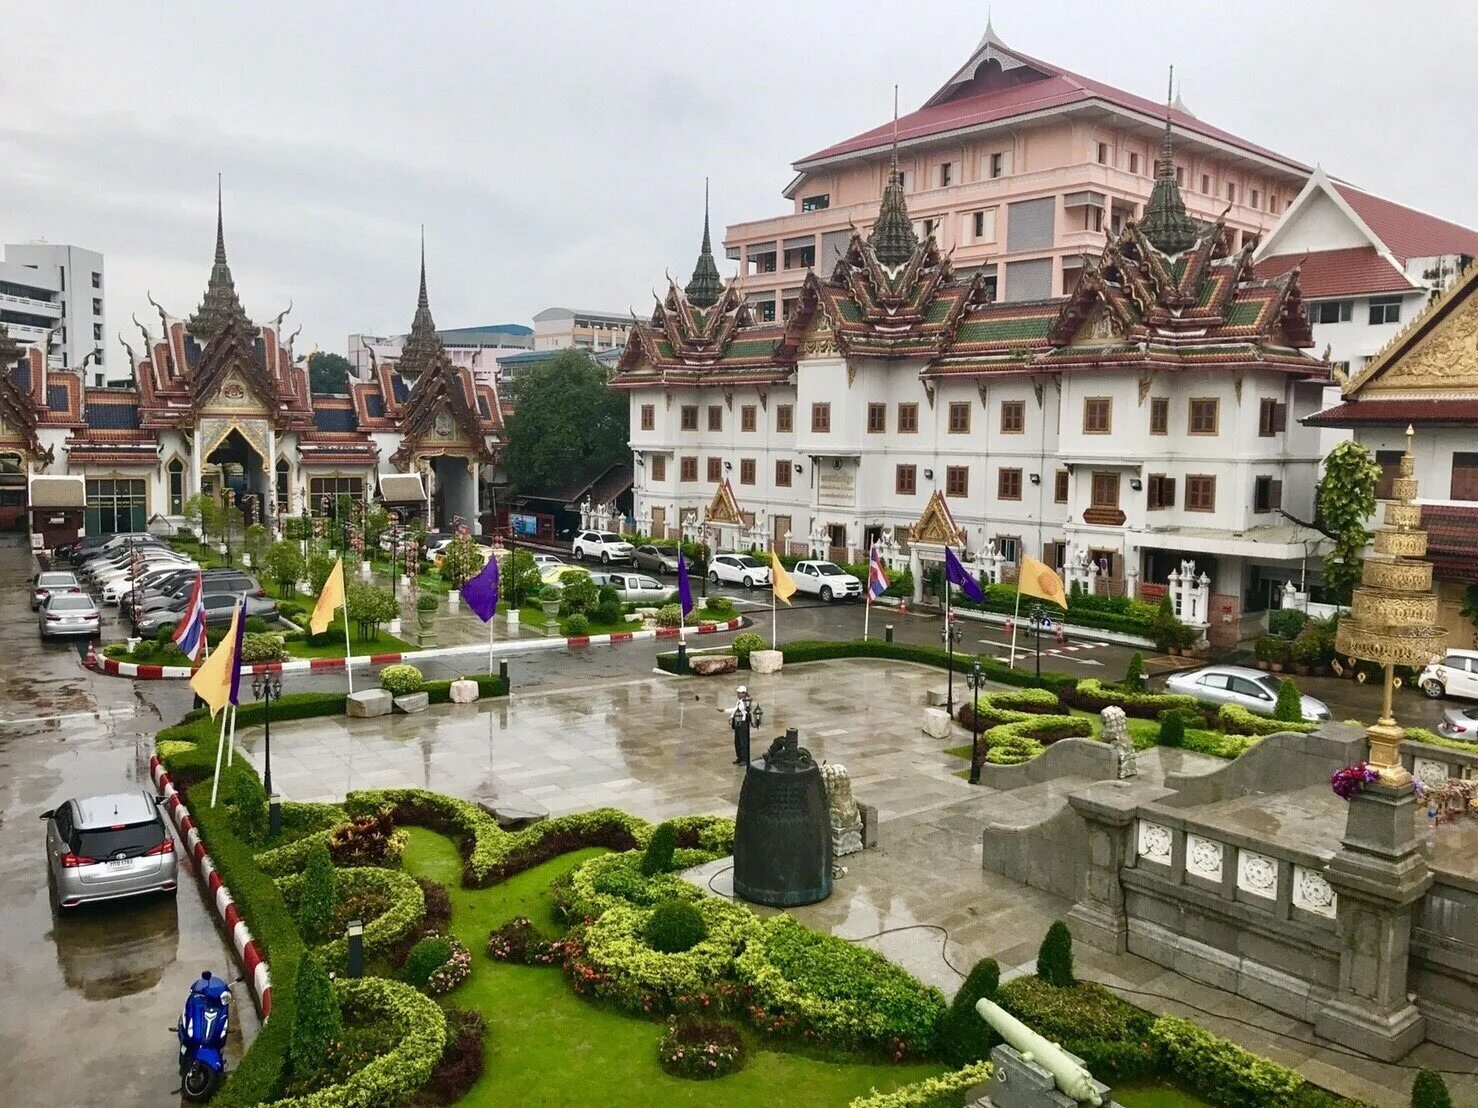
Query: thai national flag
189	635
877	580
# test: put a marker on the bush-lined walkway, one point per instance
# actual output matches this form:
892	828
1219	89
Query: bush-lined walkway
546	1046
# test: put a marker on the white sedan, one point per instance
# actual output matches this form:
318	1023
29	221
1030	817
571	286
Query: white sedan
827	580
738	569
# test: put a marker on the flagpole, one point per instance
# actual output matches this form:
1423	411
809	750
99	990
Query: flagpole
348	669
220	751
867	608
231	737
1015	620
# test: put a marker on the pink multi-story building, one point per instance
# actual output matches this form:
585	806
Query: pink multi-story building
1021	168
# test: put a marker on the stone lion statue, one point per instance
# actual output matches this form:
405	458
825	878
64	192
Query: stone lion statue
846	820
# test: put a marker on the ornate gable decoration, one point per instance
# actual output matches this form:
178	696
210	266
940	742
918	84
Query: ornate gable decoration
936	524
231	375
17	414
725	506
1436	355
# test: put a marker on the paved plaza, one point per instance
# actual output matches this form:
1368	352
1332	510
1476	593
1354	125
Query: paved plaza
658	746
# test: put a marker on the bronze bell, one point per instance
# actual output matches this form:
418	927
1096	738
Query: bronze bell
782	835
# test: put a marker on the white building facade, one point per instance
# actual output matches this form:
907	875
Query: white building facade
54	293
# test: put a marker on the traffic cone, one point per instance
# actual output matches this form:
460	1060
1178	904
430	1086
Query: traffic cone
1061	635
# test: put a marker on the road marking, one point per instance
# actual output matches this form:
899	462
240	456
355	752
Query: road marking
1026	655
70	715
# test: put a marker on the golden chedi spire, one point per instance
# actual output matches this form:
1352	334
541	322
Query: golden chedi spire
1392	619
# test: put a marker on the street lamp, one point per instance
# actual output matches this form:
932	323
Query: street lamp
1037	617
395	528
267	687
976	680
951	634
227	495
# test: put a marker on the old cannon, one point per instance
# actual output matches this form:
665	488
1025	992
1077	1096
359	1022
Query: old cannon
1068	1073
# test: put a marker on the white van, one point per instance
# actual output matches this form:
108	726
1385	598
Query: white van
1455	675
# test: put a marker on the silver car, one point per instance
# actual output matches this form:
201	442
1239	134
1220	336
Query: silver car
105	847
656	559
1251	688
66	613
1460	723
52	580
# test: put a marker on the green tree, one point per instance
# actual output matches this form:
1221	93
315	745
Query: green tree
285	564
370	606
566	422
518	577
1345	501
319	895
460	560
965	1037
1430	1091
204	513
1134	675
328	373
658	856
315	1016
1289	708
1055	958
258	542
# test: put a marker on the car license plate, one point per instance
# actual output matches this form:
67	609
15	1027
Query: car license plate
120	863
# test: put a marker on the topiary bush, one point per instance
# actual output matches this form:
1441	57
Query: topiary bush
745	644
1237	720
963	1036
425	958
1134	675
1172	729
658	856
319	895
674	927
249	804
670	615
610	613
1286	623
577	625
257	648
315	1016
254	625
1109	1034
1430	1091
401	680
1055	958
580	595
1289	708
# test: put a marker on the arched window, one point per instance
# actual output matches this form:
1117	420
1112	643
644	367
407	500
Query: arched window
176	472
284	486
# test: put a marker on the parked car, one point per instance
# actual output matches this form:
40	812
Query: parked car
738	569
217	613
637	588
53	580
115	588
66	613
826	580
1460	723
104	847
1251	688
212	582
656	559
546	562
607	546
1455	675
434	542
89	545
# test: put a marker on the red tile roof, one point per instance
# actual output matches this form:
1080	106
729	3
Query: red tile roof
1355	271
1407	232
1359	412
1452	536
1059	88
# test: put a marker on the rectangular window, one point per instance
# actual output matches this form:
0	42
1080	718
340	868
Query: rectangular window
820	419
1059	487
97	332
1200	493
1272	417
115	505
983	225
1159	492
816	203
1390	468
333	488
1159	415
715	418
1231	192
784	418
1008	484
649	417
748	419
877	418
746	471
1008	547
1256	197
782	474
1205	415
1105	490
1267	495
1464	476
1103	153
764	310
1133	163
908	419
1206	183
946	174
1013	417
959	417
1000	165
659	467
97	306
957	481
905	481
97	280
1331	311
1180	176
1098	415
688	469
1387	310
690	417
715	470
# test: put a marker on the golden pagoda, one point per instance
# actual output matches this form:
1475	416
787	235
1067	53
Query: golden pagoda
1392	619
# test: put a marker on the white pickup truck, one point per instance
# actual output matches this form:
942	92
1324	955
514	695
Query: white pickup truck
826	580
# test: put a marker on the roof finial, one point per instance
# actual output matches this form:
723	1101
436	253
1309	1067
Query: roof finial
1165	222
893	237
894	172
707	247
705	286
422	301
220	225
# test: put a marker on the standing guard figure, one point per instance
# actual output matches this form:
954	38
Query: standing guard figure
742	716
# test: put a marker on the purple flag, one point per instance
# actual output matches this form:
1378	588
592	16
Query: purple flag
684	587
481	592
956	574
236	654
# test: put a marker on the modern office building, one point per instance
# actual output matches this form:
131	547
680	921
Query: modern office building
556	328
52	292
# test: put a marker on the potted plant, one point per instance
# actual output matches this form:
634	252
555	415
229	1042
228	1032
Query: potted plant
1263	650
1308	652
550	599
1281	652
426	605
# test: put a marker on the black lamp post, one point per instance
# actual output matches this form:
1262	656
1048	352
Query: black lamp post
226	497
1037	616
951	634
395	526
267	687
976	680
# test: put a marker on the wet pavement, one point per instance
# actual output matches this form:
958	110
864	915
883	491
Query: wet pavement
85	999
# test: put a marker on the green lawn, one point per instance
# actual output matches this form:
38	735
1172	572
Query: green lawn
1156	1095
546	1046
532	615
382	643
209	556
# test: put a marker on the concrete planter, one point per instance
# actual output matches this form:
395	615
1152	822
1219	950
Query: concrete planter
414	702
395	626
551	608
364	571
766	661
368	703
510	617
453	599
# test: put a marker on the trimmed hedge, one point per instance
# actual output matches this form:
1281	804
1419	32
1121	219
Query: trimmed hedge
846	995
398	1074
1422	735
1109	1034
1237	720
948	1090
1020	724
385	931
1092	695
814	650
616	880
1223	1073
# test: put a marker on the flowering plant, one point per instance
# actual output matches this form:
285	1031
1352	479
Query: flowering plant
452	972
700	1049
1350	781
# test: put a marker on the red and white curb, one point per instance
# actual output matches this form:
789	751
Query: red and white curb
247	950
146	672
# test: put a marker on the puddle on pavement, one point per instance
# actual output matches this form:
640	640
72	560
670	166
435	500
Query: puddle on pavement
112	950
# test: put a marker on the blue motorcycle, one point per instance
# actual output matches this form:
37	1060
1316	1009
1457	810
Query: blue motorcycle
202	1034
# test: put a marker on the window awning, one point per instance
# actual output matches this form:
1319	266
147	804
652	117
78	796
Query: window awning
401	488
58	492
1083	200
801	242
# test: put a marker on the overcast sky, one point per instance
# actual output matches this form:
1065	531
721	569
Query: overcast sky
556	151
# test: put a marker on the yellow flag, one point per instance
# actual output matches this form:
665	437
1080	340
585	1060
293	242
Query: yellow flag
1040	580
212	681
329	600
782	584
